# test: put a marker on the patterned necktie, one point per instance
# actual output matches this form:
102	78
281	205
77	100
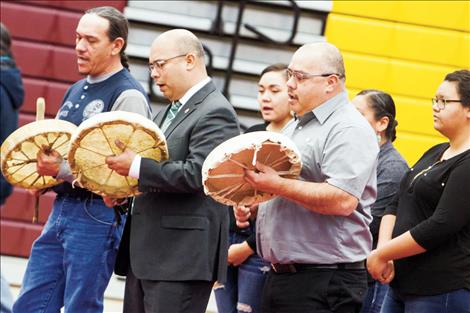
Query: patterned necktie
171	115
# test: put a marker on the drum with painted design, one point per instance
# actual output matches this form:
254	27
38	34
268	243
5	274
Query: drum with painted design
95	140
223	169
20	149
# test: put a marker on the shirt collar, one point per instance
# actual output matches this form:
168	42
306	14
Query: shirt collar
101	78
193	90
386	147
324	110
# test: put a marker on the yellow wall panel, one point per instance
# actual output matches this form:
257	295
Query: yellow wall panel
443	14
404	41
431	45
364	71
359	34
375	9
416	79
396	76
414	115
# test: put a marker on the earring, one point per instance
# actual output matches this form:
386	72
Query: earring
379	138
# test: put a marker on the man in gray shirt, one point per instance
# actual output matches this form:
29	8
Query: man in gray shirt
315	233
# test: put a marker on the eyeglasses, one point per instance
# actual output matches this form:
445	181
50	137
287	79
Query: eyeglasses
161	62
300	76
441	103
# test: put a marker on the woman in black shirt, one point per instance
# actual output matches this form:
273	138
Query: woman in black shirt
428	259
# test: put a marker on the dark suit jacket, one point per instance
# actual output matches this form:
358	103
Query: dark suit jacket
177	233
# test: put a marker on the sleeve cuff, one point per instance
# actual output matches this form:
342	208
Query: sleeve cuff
251	241
134	171
65	173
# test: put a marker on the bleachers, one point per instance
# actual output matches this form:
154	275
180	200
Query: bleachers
272	18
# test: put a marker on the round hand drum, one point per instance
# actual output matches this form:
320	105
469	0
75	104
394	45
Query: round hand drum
20	149
223	169
95	139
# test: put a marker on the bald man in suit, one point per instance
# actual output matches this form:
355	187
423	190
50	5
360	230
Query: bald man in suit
178	236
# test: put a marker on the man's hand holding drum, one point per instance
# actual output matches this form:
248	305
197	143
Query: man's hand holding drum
121	163
48	164
264	179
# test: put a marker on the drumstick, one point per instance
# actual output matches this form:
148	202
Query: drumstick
40	112
40	108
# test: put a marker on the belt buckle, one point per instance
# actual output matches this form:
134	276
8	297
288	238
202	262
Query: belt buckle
283	268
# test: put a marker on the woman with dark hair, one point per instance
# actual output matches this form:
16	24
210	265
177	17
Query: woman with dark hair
424	240
379	110
272	99
246	272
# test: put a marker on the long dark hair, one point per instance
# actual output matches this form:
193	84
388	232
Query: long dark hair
462	77
118	27
383	105
5	41
278	67
6	57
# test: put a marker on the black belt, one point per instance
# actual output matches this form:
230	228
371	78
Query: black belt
293	268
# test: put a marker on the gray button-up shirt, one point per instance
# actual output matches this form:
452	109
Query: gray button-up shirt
339	147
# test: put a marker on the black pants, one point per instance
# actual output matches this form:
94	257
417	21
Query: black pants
148	296
314	291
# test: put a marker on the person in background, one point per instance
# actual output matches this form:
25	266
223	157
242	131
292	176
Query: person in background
424	239
72	260
11	99
379	110
246	272
272	99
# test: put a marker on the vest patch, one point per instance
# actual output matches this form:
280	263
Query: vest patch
64	111
94	107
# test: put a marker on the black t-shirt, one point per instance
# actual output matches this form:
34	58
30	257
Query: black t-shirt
433	203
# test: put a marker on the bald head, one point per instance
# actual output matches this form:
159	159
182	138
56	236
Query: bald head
316	75
181	41
177	59
326	57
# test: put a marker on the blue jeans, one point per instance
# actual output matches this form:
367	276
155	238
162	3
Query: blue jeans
457	301
375	297
72	260
242	291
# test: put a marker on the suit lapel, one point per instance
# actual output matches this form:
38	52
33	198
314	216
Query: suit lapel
189	107
158	119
